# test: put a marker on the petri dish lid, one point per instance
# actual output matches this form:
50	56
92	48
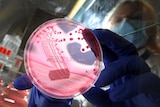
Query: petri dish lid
62	58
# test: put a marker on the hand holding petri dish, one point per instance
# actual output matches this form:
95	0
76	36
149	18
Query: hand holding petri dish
61	60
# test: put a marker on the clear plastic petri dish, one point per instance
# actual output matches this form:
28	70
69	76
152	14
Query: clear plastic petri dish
62	58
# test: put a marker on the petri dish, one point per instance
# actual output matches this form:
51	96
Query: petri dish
62	58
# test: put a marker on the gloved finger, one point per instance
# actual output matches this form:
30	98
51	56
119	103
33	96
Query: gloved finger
92	41
39	99
22	82
134	65
144	83
116	43
98	97
108	55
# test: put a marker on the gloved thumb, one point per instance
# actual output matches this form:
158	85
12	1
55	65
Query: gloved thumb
22	82
144	83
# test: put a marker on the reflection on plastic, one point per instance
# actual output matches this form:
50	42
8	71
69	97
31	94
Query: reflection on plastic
60	61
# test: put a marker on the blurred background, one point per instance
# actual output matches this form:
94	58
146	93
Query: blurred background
19	18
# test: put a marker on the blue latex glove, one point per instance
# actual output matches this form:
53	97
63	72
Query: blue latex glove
131	82
37	98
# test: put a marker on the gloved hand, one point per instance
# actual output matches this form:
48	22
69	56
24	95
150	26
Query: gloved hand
131	82
37	98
